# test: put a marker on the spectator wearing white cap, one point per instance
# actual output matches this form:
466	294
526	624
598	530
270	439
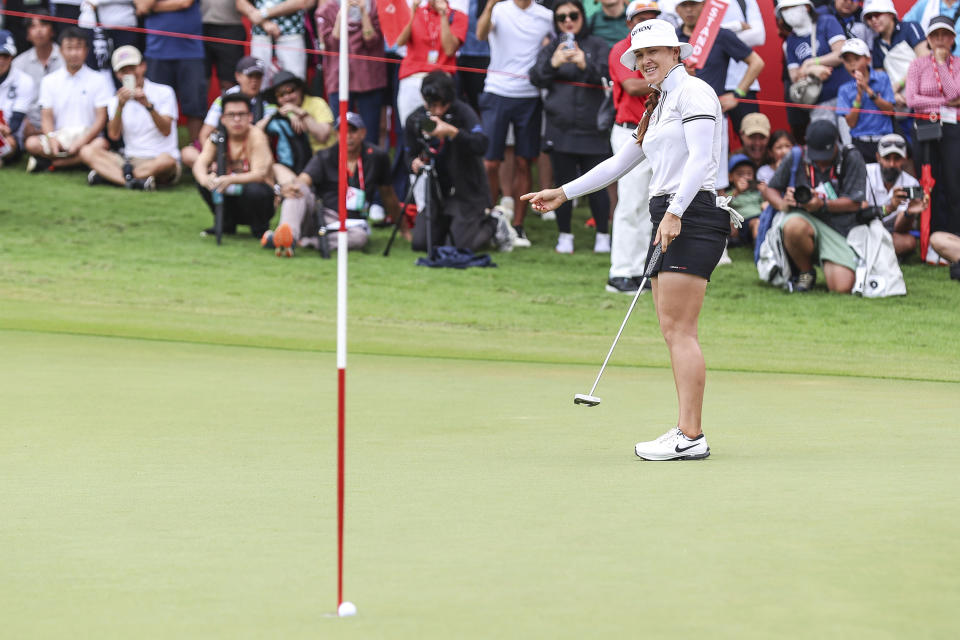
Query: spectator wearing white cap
933	87
887	185
17	94
923	11
143	115
680	137
870	89
73	103
632	229
896	43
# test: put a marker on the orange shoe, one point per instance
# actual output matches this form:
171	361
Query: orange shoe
283	240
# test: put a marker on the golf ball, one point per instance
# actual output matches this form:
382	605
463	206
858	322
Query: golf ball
346	609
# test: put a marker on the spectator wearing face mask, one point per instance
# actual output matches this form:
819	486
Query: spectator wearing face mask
813	51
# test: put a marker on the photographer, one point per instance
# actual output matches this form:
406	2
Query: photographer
447	132
825	204
895	192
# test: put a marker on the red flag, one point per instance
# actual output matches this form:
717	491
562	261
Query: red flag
927	182
704	34
394	16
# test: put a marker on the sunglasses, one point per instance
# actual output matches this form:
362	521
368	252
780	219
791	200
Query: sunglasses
573	16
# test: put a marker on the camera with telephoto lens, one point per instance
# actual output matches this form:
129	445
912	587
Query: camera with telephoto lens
802	194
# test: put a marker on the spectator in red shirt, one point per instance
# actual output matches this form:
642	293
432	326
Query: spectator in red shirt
432	37
632	228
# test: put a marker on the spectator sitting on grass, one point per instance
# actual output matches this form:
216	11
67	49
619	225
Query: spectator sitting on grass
143	115
815	230
887	185
311	198
249	77
74	108
17	93
871	90
41	59
246	183
747	200
302	125
947	245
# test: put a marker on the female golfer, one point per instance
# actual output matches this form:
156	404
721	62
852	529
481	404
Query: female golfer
680	136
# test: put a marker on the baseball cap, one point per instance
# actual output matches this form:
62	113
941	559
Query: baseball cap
653	33
640	6
821	139
738	159
353	120
125	56
755	123
892	143
941	22
786	4
248	65
855	46
7	45
878	6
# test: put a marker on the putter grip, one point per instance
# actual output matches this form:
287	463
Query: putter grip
653	261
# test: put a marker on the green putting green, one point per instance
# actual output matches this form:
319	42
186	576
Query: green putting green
165	489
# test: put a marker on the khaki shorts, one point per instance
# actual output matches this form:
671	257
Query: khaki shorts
166	177
829	245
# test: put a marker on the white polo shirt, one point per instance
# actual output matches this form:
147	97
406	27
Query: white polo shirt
878	195
515	39
141	138
17	93
684	98
74	98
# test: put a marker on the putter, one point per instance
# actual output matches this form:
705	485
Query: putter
589	399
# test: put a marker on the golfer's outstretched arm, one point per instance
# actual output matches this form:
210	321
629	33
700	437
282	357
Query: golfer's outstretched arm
605	173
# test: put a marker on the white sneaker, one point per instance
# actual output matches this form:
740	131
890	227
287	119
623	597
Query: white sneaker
548	216
505	234
725	258
673	445
521	239
376	213
506	202
602	243
564	243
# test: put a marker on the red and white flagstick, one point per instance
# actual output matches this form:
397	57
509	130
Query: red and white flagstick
342	288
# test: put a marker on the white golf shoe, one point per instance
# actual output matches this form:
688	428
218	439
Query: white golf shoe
673	445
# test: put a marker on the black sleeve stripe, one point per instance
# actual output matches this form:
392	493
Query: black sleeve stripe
699	117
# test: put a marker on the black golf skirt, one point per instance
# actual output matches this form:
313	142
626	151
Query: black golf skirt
703	236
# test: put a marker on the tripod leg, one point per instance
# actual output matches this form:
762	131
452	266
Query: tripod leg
403	209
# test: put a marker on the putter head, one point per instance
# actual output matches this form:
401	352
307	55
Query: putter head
582	398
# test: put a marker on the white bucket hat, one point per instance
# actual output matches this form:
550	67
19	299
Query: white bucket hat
878	6
653	33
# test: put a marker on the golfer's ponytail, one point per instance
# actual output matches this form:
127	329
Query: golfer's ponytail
651	104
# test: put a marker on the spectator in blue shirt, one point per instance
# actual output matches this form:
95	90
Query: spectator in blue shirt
177	62
901	41
925	10
725	48
813	50
848	14
870	89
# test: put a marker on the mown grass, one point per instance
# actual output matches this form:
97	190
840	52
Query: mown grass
106	261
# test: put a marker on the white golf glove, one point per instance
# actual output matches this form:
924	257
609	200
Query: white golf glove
723	202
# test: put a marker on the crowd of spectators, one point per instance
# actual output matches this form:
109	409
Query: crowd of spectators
531	91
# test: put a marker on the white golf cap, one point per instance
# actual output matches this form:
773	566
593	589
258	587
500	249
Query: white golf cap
785	4
878	6
641	6
653	33
892	143
855	46
125	56
941	22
